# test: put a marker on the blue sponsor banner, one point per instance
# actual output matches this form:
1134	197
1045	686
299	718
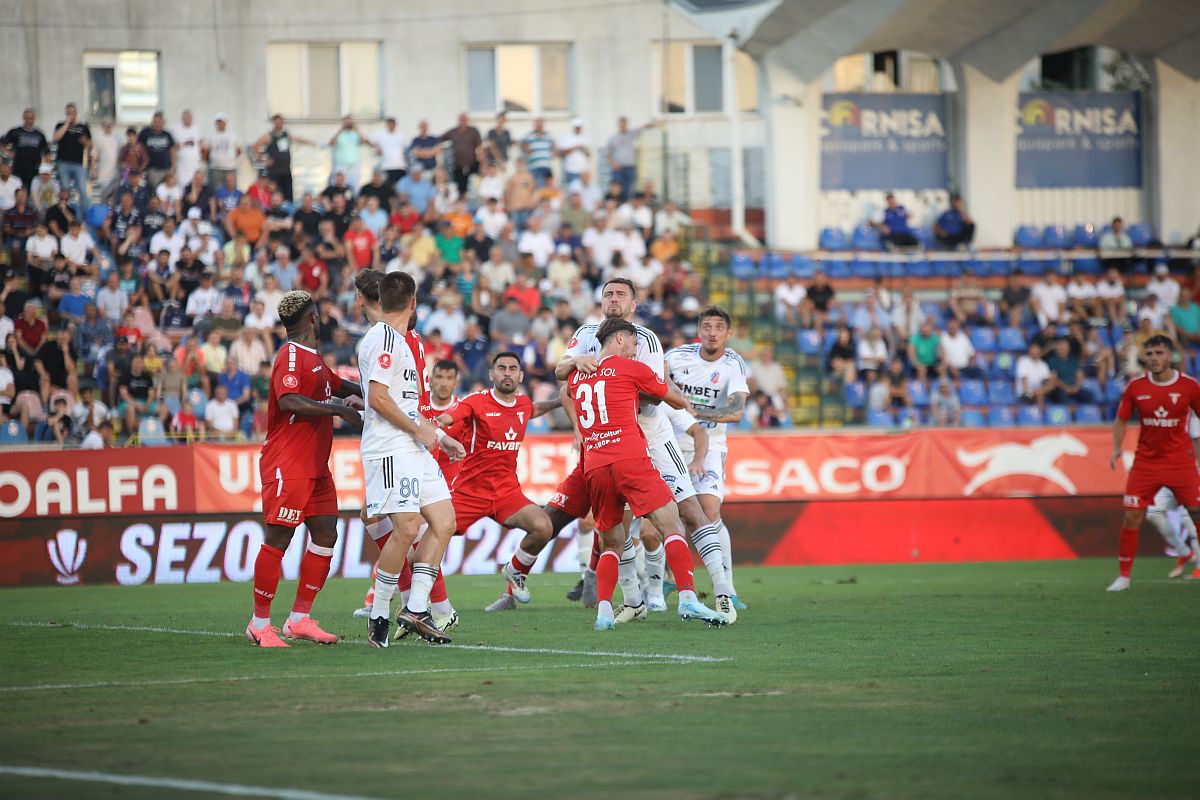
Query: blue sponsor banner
1070	139
884	141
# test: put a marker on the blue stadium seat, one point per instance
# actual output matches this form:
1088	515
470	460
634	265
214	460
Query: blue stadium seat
1085	235
1030	415
881	419
1058	415
1113	392
1056	236
984	339
1092	387
13	433
1027	236
1140	234
1011	340
918	392
918	268
803	267
173	403
1031	265
837	267
1000	417
861	268
856	395
828	342
924	234
96	214
912	416
151	434
199	402
982	267
973	418
945	267
809	342
1000	264
775	266
1086	265
1001	393
867	238
832	239
972	393
1003	367
743	267
934	312
1088	415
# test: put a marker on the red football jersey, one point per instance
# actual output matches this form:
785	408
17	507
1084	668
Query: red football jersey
1163	409
606	409
454	431
492	433
298	446
417	346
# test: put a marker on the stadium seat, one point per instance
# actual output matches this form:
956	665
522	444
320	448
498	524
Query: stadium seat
1031	265
832	239
1086	265
867	238
918	267
1088	415
1058	415
809	342
1055	236
1027	236
837	267
173	403
1141	234
856	395
861	268
1092	387
199	402
918	392
775	266
96	214
945	266
743	267
1003	367
1113	392
13	433
910	417
1030	415
1085	236
972	393
803	267
881	419
934	312
1000	416
1011	340
984	339
973	418
150	433
924	234
1000	393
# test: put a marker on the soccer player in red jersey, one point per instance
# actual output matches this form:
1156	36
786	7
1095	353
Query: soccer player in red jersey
618	469
1165	455
294	468
493	424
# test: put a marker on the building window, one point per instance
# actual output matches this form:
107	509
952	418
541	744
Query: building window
519	79
324	80
694	79
121	86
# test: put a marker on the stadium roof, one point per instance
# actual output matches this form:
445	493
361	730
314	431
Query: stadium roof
994	37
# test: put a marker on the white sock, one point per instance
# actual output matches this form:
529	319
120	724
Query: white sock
727	554
441	608
627	574
296	616
525	559
381	528
404	599
604	610
583	544
258	623
422	582
707	541
385	587
688	594
656	564
1167	531
639	551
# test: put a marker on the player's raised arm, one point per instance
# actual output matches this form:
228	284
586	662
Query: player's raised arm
546	406
731	411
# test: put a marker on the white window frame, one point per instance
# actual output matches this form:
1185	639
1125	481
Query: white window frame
343	93
657	110
110	59
538	110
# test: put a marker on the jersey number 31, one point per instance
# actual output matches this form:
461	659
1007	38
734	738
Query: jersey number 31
587	414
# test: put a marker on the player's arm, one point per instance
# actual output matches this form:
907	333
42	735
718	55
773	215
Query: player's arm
546	406
731	411
382	404
348	389
700	449
1120	425
301	406
585	364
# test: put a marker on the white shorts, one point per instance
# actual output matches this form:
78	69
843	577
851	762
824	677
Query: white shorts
403	484
669	462
713	480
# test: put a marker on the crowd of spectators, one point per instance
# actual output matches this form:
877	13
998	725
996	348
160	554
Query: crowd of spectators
141	274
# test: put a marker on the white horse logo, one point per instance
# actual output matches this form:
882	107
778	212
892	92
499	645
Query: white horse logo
1038	458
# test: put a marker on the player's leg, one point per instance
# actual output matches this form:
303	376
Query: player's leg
533	520
656	566
268	566
679	556
585	534
1185	486
711	488
1160	516
379	528
438	511
314	569
392	558
608	504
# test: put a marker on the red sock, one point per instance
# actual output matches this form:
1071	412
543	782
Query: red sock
606	575
267	568
405	582
519	567
1179	562
679	559
438	593
382	540
370	599
1126	550
314	569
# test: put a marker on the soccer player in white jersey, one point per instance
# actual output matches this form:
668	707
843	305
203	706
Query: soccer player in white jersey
1175	524
713	377
403	480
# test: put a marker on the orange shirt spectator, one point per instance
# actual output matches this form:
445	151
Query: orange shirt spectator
664	248
246	219
460	222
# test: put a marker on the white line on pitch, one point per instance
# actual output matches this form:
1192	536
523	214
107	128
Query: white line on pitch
675	657
341	676
179	784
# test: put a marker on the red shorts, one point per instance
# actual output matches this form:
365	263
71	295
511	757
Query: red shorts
290	501
635	482
572	494
499	505
1144	482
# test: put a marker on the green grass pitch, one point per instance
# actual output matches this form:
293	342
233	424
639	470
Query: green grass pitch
948	681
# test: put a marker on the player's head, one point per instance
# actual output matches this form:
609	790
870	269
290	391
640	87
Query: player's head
367	284
443	380
617	337
397	293
506	372
1157	352
619	298
299	315
716	326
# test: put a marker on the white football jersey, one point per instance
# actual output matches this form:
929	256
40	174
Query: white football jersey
652	418
385	357
708	384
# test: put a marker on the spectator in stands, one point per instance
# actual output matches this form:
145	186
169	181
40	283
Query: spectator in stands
1162	285
9	183
43	192
99	437
539	149
466	145
955	227
907	316
161	150
1115	246
221	149
1049	299
19	223
945	409
869	315
923	350
896	381
820	300
1032	377
1066	376
520	195
956	354
55	364
247	220
840	363
496	145
768	375
1082	299
892	224
26	145
133	388
968	302
74	140
873	356
1153	310
1185	318
221	414
346	144
1111	293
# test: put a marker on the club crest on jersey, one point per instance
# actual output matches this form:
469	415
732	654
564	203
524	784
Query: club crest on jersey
574	341
1174	397
385	360
521	417
715	378
290	381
